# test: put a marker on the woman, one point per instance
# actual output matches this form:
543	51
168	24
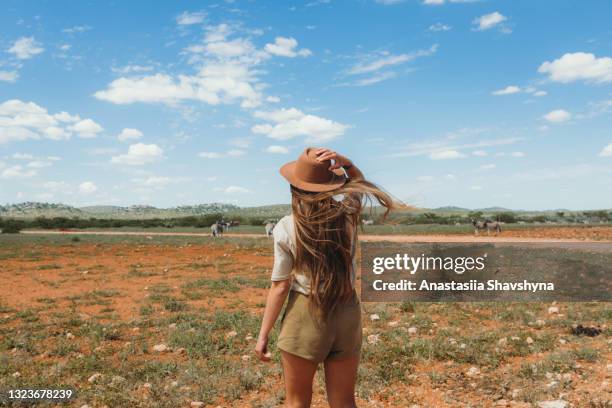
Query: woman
314	254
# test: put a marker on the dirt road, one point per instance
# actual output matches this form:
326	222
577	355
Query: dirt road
365	237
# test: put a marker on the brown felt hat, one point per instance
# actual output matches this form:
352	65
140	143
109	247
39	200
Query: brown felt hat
309	174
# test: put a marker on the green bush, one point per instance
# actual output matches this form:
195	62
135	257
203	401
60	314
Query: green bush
11	226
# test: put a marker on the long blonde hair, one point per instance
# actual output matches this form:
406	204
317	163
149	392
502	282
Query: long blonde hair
325	229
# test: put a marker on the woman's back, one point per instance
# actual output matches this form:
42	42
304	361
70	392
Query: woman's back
285	253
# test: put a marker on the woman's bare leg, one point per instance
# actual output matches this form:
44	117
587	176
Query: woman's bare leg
340	379
299	374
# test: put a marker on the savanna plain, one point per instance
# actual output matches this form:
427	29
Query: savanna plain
171	321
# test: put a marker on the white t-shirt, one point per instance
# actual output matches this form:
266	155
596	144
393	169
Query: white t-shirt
284	254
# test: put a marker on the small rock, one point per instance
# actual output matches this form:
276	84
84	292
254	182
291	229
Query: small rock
412	331
174	384
246	357
553	310
248	337
501	403
69	336
374	317
373	338
117	379
529	340
515	338
540	322
161	348
553	404
16	374
502	342
95	377
552	384
146	385
473	371
181	351
196	404
609	368
562	341
231	334
462	346
172	326
85	406
393	323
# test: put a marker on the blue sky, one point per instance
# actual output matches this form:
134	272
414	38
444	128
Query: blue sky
441	102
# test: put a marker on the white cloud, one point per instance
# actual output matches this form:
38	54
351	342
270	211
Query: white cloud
440	27
480	153
374	79
187	18
389	2
226	73
578	66
452	142
86	128
17	172
25	48
221	155
290	123
489	21
273	99
26	120
558	116
139	154
129	134
509	90
517	154
375	63
157	182
445	155
236	190
606	151
87	187
487	167
277	149
132	69
286	47
38	164
22	156
9	76
76	29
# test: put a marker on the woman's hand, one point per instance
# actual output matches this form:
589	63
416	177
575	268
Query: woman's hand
261	349
339	160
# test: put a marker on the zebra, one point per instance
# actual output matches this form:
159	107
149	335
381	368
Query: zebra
269	228
488	225
217	229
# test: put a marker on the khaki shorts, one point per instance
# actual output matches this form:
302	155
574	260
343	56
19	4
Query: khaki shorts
339	337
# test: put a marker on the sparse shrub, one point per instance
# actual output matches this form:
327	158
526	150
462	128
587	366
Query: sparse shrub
11	226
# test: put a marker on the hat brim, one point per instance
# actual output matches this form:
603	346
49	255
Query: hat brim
338	180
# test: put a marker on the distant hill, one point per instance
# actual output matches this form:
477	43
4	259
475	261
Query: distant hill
37	209
34	209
